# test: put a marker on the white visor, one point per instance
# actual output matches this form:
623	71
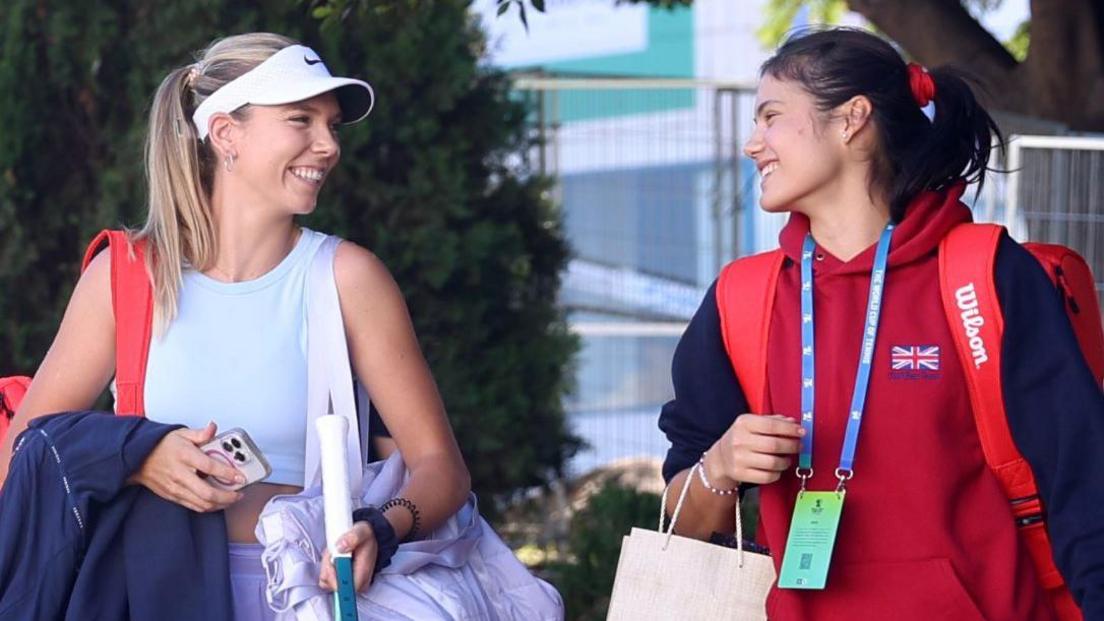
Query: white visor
293	74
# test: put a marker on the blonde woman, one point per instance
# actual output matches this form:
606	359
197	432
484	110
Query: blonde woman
240	143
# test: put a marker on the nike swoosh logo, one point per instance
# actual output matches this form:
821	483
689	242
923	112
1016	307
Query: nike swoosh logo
312	61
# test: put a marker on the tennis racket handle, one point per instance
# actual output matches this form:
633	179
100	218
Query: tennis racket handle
337	504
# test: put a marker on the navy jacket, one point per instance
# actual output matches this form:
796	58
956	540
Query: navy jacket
77	543
1043	373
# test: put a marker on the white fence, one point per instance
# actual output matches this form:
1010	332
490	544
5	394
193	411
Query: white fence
1055	194
655	199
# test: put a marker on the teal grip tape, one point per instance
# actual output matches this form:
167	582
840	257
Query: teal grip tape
345	597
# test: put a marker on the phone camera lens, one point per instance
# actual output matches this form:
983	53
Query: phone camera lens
226	446
236	442
239	456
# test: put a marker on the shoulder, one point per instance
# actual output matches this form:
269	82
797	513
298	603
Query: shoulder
750	277
94	286
358	270
354	264
1018	274
99	269
1011	255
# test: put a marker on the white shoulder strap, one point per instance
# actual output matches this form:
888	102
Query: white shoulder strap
329	374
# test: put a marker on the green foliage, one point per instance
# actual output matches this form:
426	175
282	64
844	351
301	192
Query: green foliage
780	16
504	6
1020	41
595	543
434	182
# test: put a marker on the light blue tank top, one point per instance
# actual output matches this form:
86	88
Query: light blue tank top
236	354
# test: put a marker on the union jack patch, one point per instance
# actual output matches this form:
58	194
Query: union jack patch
915	357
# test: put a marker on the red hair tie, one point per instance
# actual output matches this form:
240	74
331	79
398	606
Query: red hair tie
921	84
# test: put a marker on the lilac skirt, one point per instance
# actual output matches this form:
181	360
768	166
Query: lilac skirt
247	583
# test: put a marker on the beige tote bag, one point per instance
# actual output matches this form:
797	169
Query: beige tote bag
665	577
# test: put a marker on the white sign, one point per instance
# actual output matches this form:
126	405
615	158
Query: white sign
567	30
627	288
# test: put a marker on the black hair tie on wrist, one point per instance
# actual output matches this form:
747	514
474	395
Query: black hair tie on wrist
387	542
415	516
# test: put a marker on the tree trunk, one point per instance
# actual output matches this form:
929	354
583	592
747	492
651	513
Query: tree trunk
1065	65
1062	78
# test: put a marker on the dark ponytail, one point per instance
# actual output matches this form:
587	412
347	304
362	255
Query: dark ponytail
915	154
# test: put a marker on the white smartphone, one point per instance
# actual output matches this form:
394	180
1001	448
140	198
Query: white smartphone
235	448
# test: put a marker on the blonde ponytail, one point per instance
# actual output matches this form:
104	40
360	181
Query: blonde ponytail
180	227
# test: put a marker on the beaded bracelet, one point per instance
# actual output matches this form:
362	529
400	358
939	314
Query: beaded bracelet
708	485
416	516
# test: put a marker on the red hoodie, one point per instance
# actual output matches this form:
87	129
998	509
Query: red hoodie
926	531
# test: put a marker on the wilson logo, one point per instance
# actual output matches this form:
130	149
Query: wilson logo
972	321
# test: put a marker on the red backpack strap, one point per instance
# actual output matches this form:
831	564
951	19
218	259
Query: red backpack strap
12	391
132	300
745	299
967	258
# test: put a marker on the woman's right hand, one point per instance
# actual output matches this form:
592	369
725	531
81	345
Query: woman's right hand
755	449
173	471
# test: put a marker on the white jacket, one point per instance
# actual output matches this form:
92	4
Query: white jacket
460	571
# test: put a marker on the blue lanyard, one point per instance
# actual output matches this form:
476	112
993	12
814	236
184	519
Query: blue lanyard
808	359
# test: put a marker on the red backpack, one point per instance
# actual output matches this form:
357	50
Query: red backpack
967	256
132	300
12	390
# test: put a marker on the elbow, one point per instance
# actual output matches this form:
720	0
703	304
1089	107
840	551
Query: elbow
449	476
462	483
458	476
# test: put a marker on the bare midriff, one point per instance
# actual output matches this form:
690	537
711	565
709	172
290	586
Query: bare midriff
241	517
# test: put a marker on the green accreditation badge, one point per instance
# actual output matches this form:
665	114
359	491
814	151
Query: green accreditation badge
812	536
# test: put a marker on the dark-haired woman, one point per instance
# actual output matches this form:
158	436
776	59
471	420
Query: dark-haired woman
871	183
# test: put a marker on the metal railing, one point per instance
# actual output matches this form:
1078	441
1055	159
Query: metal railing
1055	194
655	197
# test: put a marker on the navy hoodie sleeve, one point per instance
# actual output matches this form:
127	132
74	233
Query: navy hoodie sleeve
76	542
707	396
1056	414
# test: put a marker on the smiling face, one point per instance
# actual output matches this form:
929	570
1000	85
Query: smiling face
793	147
286	152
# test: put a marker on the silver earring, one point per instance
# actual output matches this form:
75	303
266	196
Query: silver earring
846	136
229	162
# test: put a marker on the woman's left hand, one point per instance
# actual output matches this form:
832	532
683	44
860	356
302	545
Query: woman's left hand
362	541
